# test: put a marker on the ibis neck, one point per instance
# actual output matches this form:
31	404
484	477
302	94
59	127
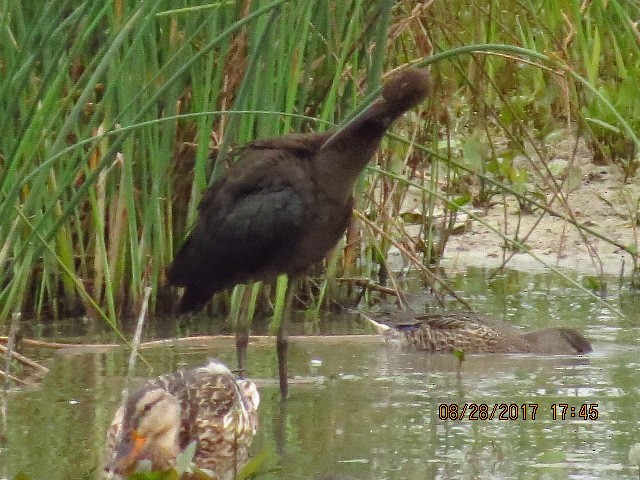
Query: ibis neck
345	154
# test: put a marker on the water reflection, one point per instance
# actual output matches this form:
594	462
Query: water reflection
362	410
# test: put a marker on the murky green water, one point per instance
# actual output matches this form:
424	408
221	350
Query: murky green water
373	412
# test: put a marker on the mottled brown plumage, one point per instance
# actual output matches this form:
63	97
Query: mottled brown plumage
474	333
206	405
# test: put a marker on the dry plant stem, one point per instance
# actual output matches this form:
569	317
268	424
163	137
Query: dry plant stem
4	427
512	244
204	341
555	186
593	256
23	360
13	330
27	342
367	283
508	256
569	219
505	228
88	300
415	260
564	204
390	223
371	227
7	380
137	336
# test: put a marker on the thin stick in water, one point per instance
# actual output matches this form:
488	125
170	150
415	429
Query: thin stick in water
135	344
13	330
23	360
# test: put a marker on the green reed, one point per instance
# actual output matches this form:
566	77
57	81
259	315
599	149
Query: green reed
114	114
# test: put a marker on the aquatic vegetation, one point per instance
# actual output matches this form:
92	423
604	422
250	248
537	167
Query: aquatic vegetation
119	114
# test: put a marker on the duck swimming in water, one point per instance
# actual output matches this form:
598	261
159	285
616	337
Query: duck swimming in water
474	333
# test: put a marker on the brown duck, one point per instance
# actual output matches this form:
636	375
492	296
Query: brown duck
284	205
474	333
207	406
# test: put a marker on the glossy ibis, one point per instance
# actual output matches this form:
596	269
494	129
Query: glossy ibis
284	205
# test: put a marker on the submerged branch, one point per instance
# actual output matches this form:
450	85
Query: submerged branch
11	378
204	341
22	359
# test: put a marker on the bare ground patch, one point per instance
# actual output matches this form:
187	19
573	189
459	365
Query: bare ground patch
593	195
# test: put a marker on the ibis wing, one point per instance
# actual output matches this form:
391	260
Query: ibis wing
235	238
249	220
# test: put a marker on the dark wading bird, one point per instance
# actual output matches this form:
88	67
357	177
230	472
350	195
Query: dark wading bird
206	405
474	333
284	206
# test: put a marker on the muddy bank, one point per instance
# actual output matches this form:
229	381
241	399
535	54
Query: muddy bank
595	196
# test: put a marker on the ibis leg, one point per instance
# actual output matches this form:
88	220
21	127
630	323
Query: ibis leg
282	347
242	331
280	427
282	343
242	339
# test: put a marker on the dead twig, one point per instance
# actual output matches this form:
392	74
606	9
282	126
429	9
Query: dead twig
23	360
414	260
204	341
28	342
138	335
10	378
367	283
9	353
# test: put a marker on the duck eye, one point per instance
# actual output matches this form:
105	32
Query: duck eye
147	407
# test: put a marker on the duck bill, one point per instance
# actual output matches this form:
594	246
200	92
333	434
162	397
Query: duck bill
128	453
381	328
